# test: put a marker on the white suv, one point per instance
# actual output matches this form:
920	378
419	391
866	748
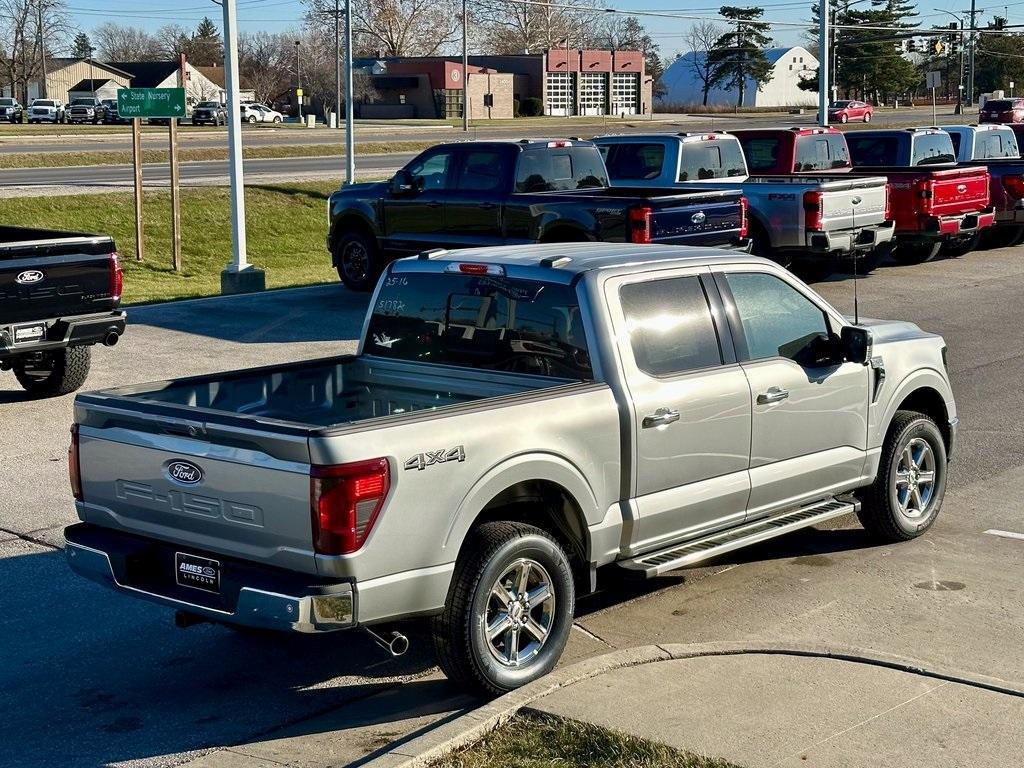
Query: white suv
251	112
46	111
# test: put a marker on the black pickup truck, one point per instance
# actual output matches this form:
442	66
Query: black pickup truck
59	293
480	193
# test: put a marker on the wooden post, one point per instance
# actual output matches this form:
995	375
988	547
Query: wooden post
137	162
175	205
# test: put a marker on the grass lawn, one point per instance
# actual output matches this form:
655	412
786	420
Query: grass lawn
115	157
534	740
286	226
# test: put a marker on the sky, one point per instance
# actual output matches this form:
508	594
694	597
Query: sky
669	33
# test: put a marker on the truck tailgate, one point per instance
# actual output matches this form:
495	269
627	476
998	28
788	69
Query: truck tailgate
35	288
957	191
856	202
696	219
220	489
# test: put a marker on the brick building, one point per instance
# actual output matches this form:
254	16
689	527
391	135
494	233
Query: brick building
566	81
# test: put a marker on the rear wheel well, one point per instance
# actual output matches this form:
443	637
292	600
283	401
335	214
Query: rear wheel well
347	224
929	402
550	507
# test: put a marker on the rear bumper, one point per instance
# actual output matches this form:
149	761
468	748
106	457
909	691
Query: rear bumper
953	226
849	241
78	331
1011	216
251	596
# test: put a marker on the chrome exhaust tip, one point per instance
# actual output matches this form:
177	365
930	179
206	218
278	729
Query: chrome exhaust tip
397	645
111	338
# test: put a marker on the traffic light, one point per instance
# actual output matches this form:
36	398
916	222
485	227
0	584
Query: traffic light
911	45
938	47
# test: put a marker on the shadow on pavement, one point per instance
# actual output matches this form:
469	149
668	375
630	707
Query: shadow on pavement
318	313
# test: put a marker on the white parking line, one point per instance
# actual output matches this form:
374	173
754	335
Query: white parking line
1005	534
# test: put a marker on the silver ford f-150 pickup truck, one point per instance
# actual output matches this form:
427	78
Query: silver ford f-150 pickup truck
515	418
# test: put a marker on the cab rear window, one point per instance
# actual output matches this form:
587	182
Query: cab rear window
490	322
714	159
633	162
821	152
560	170
762	154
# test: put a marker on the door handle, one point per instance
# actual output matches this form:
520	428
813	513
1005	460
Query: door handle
434	204
660	418
773	395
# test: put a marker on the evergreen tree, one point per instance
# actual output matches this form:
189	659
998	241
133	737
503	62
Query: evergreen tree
205	48
81	47
738	55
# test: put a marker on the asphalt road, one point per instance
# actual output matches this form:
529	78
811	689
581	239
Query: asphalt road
205	172
90	677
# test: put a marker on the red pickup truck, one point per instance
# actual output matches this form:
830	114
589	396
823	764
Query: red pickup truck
933	203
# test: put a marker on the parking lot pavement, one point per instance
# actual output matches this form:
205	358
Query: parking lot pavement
90	677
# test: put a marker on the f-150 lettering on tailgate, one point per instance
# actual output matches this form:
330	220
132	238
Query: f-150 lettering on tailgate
144	495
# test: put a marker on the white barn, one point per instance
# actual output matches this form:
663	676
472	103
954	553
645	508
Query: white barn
789	67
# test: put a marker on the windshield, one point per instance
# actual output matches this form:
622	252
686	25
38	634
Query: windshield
43	103
490	322
5	102
999	104
559	170
82	102
839	104
208	105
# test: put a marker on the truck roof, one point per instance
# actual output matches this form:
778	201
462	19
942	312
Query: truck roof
527	144
568	260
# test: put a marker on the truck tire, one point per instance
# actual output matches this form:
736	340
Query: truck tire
514	581
916	253
54	373
1002	237
906	496
357	259
962	246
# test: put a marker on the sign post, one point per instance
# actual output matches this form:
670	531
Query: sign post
934	81
168	103
137	163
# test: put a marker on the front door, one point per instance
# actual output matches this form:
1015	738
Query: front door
414	221
473	211
809	408
691	407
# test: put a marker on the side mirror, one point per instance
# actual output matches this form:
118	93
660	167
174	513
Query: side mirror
402	183
856	343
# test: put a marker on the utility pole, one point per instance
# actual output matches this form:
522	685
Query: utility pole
42	50
823	71
337	64
92	84
298	80
350	127
970	54
465	66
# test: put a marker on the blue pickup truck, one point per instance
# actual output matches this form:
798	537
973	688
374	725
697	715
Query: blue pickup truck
485	193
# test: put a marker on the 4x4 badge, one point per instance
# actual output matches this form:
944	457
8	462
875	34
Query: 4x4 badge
428	459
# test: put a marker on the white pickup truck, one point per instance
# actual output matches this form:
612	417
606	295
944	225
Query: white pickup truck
515	418
819	222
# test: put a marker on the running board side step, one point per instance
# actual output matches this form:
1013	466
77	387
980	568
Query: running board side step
691	552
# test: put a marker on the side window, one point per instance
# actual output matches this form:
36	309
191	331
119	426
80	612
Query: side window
777	320
669	325
482	171
431	172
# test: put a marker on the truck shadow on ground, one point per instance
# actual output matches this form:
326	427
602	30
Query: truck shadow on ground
317	313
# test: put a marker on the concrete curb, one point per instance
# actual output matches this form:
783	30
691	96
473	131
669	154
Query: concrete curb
474	725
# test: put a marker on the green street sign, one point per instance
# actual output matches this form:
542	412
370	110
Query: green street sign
151	102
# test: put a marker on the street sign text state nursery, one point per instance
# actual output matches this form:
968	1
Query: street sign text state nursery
151	102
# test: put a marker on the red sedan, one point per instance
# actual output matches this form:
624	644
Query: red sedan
845	111
1002	111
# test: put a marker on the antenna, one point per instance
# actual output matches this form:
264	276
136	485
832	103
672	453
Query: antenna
856	258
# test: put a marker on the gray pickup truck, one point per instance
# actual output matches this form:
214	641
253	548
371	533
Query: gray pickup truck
515	418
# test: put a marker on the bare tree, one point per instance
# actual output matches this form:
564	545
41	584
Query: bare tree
115	42
700	39
392	27
512	27
265	62
28	30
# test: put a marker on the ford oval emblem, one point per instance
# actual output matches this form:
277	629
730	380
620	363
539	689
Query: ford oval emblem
961	188
857	200
184	472
699	217
29	276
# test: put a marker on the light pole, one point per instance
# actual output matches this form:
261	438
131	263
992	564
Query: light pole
298	79
959	110
337	64
465	67
350	128
823	60
92	84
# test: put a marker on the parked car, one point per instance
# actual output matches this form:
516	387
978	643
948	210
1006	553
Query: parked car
111	114
46	111
936	205
847	110
1002	111
505	192
59	293
817	222
11	110
258	113
995	148
86	110
931	201
515	419
209	112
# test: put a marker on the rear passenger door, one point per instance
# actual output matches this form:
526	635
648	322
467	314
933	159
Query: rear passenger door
809	425
473	208
690	419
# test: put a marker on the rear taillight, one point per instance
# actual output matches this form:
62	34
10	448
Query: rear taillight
640	225
812	210
888	202
116	277
1014	186
744	220
74	470
345	500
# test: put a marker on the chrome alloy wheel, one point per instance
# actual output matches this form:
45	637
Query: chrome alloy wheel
520	613
914	480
